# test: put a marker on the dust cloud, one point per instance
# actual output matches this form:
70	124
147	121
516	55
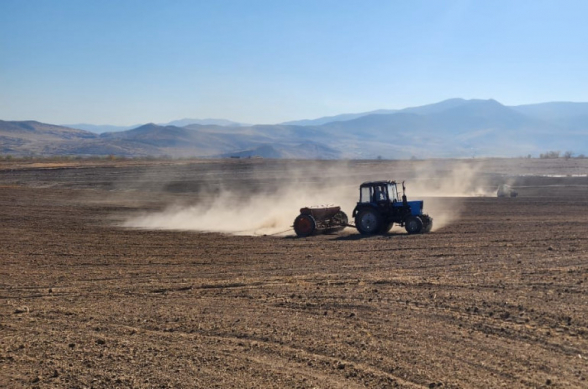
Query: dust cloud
272	212
243	210
443	184
450	179
260	214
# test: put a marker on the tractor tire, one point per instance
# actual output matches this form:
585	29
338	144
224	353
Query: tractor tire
368	221
304	225
428	226
413	225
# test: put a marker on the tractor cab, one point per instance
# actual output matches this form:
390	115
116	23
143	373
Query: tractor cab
378	192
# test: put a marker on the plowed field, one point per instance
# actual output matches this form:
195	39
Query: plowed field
497	297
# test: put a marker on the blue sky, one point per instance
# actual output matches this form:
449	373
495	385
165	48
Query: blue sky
128	62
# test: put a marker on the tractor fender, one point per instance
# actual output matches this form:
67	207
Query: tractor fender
362	206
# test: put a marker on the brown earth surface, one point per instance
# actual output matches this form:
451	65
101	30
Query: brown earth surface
498	297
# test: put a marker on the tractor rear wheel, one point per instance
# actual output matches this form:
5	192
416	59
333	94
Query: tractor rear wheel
413	225
368	221
304	225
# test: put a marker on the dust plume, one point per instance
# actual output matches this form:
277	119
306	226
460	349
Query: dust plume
450	179
230	213
247	212
443	183
260	206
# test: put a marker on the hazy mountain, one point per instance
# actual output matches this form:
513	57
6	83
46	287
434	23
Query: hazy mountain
211	140
307	150
437	107
36	129
337	118
563	114
154	134
180	141
32	137
464	128
102	147
425	109
263	151
311	150
99	129
554	110
205	122
450	128
459	116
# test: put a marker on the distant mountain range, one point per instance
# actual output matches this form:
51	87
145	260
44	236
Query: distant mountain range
99	129
338	118
450	128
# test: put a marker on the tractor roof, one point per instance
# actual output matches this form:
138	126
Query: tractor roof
373	183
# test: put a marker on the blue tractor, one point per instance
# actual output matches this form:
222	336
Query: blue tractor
379	207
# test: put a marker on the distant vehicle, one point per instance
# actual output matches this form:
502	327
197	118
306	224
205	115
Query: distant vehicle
379	207
506	191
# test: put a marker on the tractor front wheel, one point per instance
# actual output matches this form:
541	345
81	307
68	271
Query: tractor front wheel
427	224
368	221
304	225
413	225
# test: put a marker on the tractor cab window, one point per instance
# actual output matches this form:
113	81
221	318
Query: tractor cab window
365	195
392	192
380	193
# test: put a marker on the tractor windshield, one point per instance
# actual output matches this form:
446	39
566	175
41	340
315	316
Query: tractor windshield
392	192
377	193
380	193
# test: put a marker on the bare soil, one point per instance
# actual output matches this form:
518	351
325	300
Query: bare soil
497	298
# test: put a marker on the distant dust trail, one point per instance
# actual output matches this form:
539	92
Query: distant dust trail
442	183
449	179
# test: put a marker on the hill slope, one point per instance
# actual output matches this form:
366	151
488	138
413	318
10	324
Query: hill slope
32	137
450	128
